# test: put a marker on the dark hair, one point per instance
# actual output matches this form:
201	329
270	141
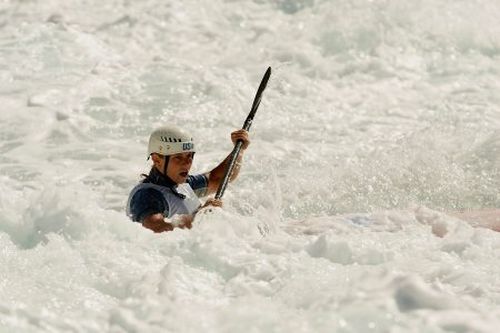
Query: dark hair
145	176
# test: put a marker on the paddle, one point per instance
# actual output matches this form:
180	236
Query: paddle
246	126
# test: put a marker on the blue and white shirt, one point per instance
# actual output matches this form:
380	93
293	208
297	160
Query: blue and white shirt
158	194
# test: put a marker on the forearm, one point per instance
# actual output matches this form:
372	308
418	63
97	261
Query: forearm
158	223
216	176
221	168
237	167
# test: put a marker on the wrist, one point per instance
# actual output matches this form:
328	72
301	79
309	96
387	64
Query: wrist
179	221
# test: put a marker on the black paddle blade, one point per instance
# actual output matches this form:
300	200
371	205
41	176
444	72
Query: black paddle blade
246	126
257	99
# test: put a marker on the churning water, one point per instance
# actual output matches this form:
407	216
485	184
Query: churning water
380	117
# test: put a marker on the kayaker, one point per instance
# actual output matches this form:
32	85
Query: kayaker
169	196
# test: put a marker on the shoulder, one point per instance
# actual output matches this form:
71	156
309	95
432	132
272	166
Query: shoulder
146	193
146	201
199	184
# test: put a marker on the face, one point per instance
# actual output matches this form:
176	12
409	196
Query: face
178	166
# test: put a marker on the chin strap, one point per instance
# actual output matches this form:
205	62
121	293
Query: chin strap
173	188
167	158
158	178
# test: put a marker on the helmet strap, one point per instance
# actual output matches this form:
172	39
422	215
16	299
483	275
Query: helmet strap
165	166
169	180
174	190
167	158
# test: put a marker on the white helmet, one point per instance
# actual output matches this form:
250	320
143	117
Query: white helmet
169	140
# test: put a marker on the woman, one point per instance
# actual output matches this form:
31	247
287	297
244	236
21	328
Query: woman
169	197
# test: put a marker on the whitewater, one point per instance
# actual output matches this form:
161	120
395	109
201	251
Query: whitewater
378	133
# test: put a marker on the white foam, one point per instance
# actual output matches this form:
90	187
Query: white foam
362	200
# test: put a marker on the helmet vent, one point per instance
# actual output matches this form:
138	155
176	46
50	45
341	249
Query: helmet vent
169	139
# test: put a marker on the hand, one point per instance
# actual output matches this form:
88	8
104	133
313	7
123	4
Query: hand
241	135
187	221
180	221
212	202
156	223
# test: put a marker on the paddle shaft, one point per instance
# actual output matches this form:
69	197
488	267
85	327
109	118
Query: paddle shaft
239	143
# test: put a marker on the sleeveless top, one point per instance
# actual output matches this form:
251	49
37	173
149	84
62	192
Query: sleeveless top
157	194
175	203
